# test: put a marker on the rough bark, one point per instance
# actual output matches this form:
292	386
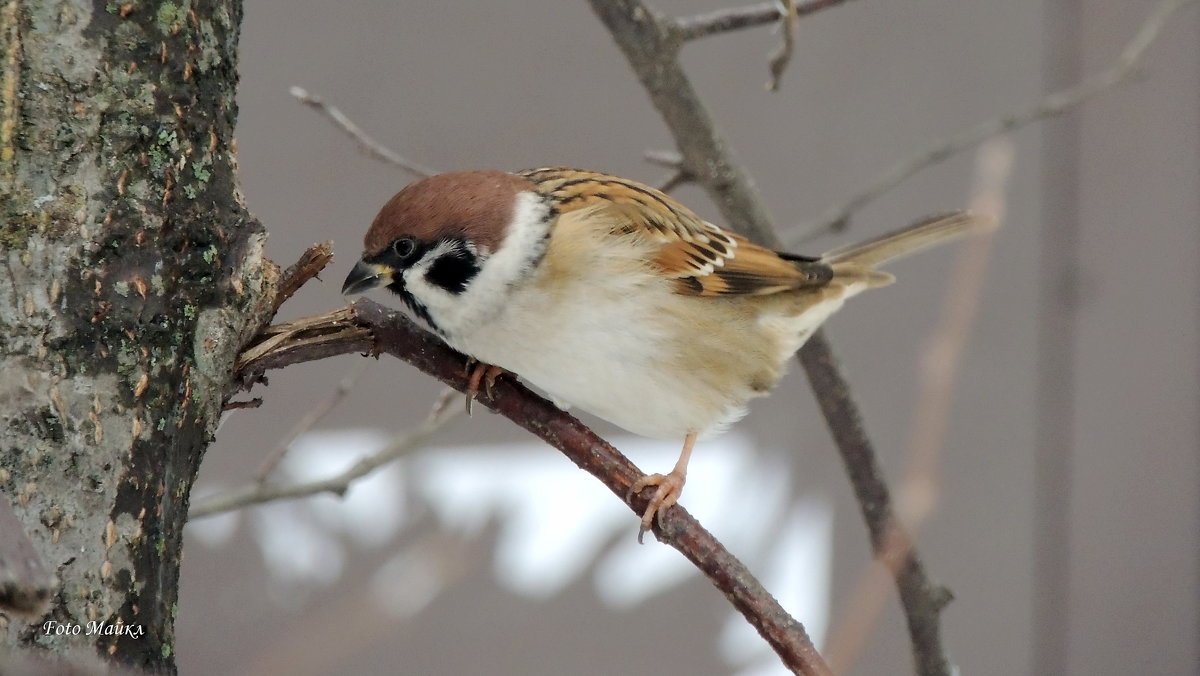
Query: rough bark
132	275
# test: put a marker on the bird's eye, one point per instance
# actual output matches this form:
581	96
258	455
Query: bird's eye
404	247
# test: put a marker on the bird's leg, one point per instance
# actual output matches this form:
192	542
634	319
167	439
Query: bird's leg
480	372
670	486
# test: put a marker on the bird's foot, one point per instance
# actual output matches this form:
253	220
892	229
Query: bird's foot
480	373
670	487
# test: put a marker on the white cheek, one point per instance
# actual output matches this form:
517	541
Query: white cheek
460	314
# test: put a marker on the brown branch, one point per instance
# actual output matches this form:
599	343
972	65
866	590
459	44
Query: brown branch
651	44
311	263
366	326
367	144
726	20
1051	105
239	405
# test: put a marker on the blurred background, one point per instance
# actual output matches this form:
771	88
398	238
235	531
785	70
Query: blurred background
1067	520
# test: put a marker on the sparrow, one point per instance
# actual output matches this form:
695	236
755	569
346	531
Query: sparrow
613	297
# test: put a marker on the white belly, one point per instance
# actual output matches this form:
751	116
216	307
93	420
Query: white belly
591	353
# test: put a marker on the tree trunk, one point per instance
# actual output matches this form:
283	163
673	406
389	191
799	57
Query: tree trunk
133	274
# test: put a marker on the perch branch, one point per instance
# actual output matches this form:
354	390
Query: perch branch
368	327
651	44
367	144
1051	105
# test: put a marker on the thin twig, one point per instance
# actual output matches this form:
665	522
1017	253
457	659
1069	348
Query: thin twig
919	493
367	325
668	159
650	44
365	142
258	492
1050	105
311	263
789	21
726	20
311	418
674	180
256	402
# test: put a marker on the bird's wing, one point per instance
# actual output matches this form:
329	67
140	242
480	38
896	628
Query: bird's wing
701	258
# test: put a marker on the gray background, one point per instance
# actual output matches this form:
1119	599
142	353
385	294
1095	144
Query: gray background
510	85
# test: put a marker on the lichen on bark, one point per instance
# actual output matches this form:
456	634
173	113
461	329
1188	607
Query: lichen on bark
132	273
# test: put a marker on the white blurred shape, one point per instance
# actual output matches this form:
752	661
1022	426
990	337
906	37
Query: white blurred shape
552	517
409	581
798	572
295	549
213	531
301	541
372	510
550	540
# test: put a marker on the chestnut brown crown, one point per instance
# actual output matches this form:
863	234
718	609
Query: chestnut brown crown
473	205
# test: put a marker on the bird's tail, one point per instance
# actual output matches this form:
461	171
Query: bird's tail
911	239
854	265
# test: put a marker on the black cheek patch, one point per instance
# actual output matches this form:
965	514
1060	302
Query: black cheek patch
453	271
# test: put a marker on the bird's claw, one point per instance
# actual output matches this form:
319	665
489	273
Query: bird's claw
670	486
480	373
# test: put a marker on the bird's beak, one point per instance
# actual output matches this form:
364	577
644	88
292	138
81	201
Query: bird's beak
366	276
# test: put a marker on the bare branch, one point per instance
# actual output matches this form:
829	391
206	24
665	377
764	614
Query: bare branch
668	159
650	44
674	180
726	20
239	405
921	598
671	160
919	493
311	263
311	418
368	326
1051	105
258	492
790	22
367	144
